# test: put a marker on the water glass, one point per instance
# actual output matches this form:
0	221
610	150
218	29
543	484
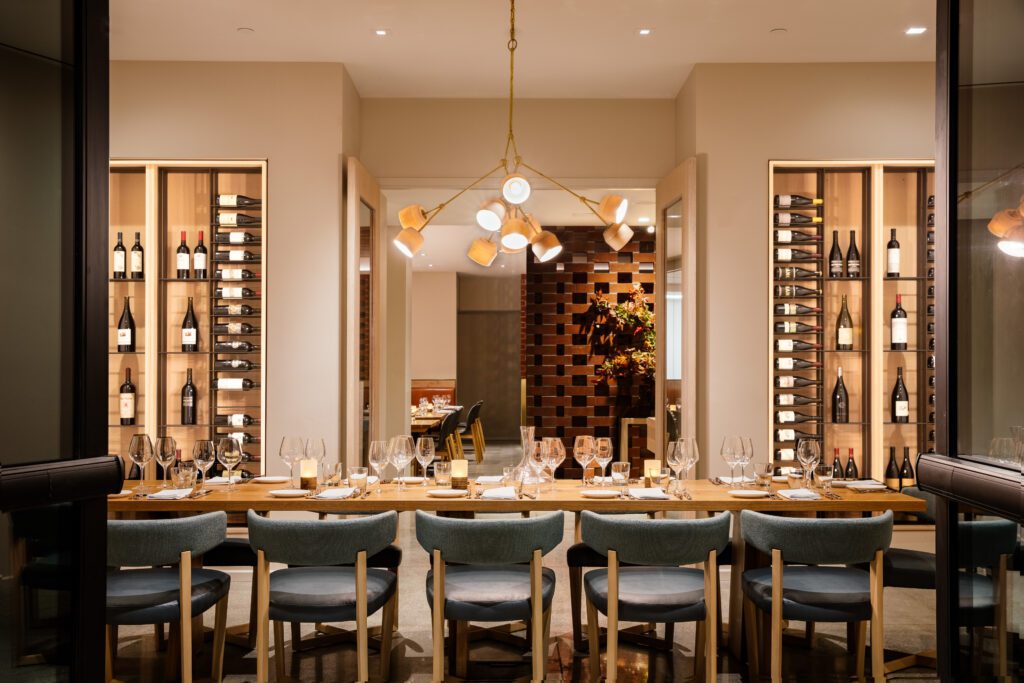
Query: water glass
443	473
183	477
620	473
763	473
823	477
333	473
424	454
358	479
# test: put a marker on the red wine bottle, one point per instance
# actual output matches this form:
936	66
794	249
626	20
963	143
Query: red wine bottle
234	309
795	309
199	259
235	237
234	274
840	400
190	330
851	466
786	201
126	330
900	406
837	466
127	399
238	364
898	326
786	435
234	328
785	218
791	416
844	328
235	256
892	255
235	384
234	346
182	258
791	345
235	293
853	257
189	400
907	477
236	420
835	257
138	260
795	236
120	259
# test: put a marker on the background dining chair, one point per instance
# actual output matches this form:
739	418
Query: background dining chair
803	590
654	588
319	589
489	580
472	430
156	595
448	442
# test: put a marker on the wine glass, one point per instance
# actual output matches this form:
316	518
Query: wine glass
674	459
583	452
808	452
378	460
229	452
556	455
204	455
732	453
166	449
424	454
745	457
689	456
291	450
401	453
603	453
140	451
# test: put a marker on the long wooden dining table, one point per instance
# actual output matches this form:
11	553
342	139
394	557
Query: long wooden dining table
704	496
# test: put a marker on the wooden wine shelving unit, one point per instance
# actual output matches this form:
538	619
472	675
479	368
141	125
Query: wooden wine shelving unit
869	197
160	199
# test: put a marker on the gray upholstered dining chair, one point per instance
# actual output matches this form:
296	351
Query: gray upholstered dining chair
490	581
316	589
154	593
804	590
654	588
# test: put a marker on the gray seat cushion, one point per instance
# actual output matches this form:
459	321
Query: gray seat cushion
977	600
657	594
813	593
905	568
490	593
150	596
310	594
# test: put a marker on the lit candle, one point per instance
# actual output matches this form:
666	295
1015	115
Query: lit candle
652	468
307	473
460	469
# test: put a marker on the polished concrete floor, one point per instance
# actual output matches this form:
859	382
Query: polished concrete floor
910	620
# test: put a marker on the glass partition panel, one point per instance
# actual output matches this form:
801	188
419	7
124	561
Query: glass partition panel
672	223
365	322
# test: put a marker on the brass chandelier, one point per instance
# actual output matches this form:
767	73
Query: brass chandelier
506	215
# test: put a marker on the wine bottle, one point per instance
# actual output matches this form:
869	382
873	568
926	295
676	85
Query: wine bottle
190	330
931	220
795	292
844	328
238	364
138	270
791	345
795	309
786	255
930	362
242	437
236	200
835	257
786	218
930	255
233	346
892	472
235	293
785	454
182	258
930	327
795	400
199	259
851	466
784	435
795	328
235	384
234	309
907	477
931	381
235	420
930	237
898	326
233	218
931	201
189	400
794	381
837	465
234	328
235	256
900	406
234	274
235	237
892	254
840	400
853	257
795	364
931	273
930	310
795	236
127	399
791	416
785	201
120	259
126	329
794	273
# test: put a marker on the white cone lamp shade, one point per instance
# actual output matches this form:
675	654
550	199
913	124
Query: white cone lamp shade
413	217
409	241
483	252
491	215
546	246
1012	243
618	235
506	250
612	208
1005	221
515	234
515	188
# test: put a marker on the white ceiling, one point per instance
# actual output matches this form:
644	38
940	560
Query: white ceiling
567	48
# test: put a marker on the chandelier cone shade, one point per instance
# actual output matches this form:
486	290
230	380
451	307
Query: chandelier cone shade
491	215
612	208
483	252
413	217
409	241
515	234
1005	221
515	188
618	235
546	246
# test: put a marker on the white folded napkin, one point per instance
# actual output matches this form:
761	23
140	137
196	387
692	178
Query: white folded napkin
736	480
799	494
501	493
335	494
490	479
614	478
654	493
170	494
223	480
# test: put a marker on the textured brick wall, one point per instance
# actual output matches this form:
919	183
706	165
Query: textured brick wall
561	398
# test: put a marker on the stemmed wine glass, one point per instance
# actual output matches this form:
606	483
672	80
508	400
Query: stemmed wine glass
556	456
732	454
603	453
808	452
746	456
401	453
291	450
204	456
140	450
424	454
166	449
229	452
583	452
674	459
690	455
378	458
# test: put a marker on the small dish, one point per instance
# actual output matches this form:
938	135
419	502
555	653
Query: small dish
270	480
410	480
289	493
447	493
600	493
749	493
780	478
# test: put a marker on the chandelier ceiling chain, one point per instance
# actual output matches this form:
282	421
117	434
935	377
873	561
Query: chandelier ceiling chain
518	229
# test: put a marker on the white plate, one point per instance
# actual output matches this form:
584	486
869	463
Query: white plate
124	493
867	486
410	480
749	493
289	493
845	483
222	481
600	493
780	478
270	480
447	493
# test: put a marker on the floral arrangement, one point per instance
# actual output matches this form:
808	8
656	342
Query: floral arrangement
627	332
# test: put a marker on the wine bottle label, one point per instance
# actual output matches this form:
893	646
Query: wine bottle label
231	274
845	336
230	383
786	454
118	261
899	330
236	255
236	238
786	382
835	267
234	328
893	261
182	261
188	335
187	401
785	399
784	363
231	293
784	344
784	236
784	254
240	437
785	200
785	218
853	268
229	219
127	404
124	337
234	309
902	408
786	416
236	420
237	363
787	434
136	261
228	200
200	261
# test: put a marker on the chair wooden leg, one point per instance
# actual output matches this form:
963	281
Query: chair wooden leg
108	660
612	639
776	661
712	615
877	630
362	634
172	657
185	613
594	641
1002	667
547	633
860	647
700	662
537	616
575	598
220	620
262	618
809	634
437	675
279	664
253	602
461	637
750	618
386	634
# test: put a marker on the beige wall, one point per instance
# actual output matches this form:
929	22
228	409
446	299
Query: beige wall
292	114
434	303
744	115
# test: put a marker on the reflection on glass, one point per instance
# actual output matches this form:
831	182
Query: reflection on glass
672	221
366	249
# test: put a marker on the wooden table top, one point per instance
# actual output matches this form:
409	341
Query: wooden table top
705	496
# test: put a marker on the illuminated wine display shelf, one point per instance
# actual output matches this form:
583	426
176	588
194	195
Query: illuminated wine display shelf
847	240
198	306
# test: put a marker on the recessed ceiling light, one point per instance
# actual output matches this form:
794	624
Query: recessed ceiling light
674	215
644	219
381	32
430	265
916	30
644	31
650	229
245	29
